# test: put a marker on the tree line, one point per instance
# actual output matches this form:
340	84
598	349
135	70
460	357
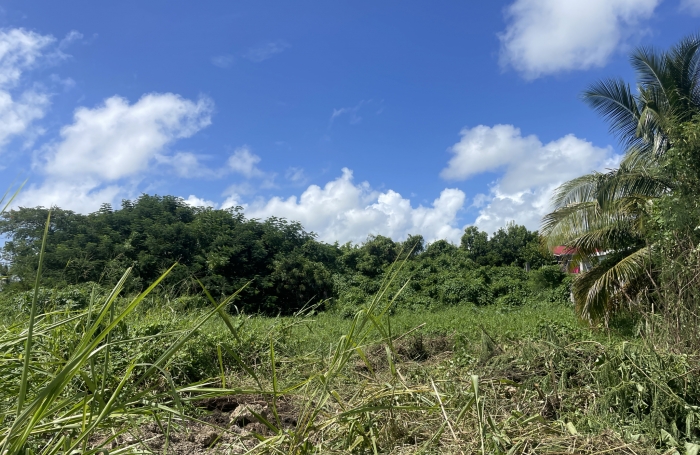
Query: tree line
287	267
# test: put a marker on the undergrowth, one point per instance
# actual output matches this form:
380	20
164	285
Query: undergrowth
457	379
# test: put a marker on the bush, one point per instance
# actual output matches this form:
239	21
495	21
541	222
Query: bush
74	297
189	302
547	277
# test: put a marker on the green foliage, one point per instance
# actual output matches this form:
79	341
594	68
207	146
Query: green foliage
547	277
286	266
512	245
73	297
392	374
452	278
221	248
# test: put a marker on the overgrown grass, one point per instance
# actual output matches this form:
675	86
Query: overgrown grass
150	373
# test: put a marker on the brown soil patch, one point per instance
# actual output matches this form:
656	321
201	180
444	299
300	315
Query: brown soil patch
415	348
230	426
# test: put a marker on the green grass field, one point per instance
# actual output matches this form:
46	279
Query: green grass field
455	379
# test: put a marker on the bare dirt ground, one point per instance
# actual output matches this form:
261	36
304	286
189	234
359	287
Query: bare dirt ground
229	426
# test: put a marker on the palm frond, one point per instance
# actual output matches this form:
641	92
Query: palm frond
652	71
684	65
609	211
589	231
596	291
580	189
630	184
613	99
655	116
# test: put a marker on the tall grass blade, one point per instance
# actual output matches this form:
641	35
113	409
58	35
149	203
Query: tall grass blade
32	317
11	198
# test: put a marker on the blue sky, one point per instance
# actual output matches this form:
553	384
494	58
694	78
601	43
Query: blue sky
354	118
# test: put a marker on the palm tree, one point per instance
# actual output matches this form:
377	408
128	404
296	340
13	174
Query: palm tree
668	93
609	212
606	213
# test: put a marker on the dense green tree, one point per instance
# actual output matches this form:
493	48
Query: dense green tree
220	247
439	248
475	242
413	245
513	245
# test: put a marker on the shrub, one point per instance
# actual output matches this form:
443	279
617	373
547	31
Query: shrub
547	277
73	297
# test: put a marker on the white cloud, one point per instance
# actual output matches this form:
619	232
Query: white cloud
187	165
70	38
223	61
547	36
523	207
118	139
692	6
241	161
531	170
244	162
103	153
485	148
20	50
265	51
82	194
18	114
194	201
345	211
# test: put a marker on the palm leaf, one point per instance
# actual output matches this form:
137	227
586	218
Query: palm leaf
613	99
596	291
652	71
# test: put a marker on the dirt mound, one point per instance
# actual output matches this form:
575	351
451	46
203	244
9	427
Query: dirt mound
416	348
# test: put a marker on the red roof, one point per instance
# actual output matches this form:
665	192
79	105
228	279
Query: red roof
562	250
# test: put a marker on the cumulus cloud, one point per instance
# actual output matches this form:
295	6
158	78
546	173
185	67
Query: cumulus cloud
106	148
547	36
82	194
531	170
194	201
266	50
244	162
118	139
345	211
691	6
20	50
